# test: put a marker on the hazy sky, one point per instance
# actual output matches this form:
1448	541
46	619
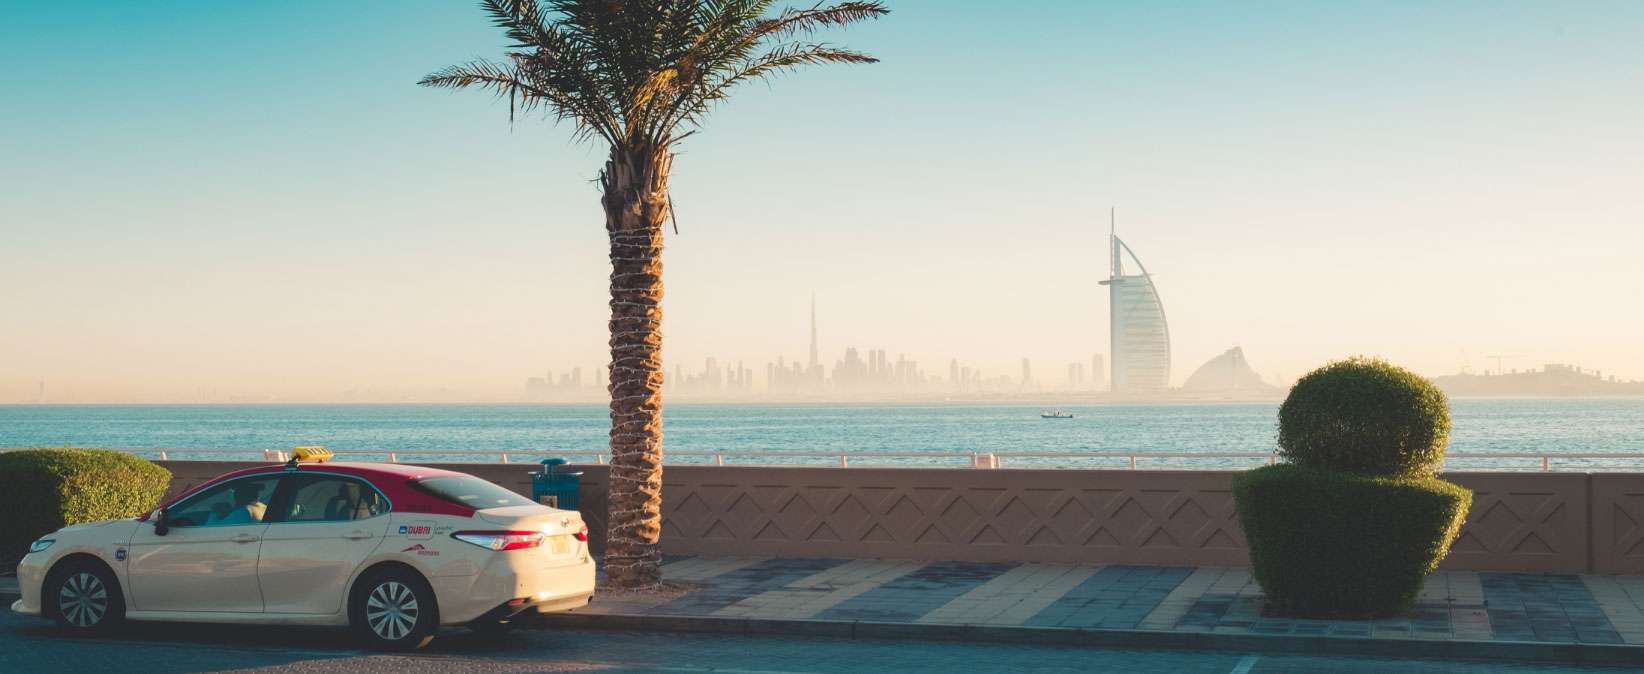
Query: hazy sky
256	199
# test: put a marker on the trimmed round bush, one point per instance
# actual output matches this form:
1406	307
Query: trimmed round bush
1332	544
43	490
1365	416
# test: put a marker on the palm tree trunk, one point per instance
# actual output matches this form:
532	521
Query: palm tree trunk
635	183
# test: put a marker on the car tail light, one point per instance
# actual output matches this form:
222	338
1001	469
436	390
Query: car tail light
582	534
501	541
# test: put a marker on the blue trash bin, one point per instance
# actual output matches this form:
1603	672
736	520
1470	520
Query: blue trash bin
555	487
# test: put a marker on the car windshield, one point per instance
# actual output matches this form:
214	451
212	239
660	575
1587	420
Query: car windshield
470	491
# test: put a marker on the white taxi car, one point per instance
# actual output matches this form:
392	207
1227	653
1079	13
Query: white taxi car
392	550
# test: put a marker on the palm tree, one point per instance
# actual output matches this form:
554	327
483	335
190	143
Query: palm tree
641	75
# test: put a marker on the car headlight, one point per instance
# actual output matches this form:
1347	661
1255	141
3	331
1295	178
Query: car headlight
41	545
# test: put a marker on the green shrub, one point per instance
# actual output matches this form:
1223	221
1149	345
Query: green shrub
1366	416
42	490
1326	543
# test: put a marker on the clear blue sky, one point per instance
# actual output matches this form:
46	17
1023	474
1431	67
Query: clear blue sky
255	198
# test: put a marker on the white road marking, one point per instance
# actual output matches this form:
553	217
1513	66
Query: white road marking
1244	665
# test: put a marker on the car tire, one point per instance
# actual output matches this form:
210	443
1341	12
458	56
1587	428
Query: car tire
83	598
393	609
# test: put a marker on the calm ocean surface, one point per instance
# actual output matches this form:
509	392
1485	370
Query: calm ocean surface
1564	426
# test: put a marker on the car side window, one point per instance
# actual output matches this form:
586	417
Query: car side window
329	498
232	503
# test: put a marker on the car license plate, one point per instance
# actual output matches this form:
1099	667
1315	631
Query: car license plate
559	545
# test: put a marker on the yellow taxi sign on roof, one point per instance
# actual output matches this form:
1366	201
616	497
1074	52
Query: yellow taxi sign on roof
310	454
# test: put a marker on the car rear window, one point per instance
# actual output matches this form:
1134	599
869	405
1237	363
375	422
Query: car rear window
470	491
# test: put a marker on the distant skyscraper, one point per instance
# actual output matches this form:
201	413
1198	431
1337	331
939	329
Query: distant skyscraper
1098	371
536	387
1027	372
815	362
1139	335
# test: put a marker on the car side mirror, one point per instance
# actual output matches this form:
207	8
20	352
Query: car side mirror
162	522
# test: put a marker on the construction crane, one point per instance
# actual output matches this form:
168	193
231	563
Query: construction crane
1499	358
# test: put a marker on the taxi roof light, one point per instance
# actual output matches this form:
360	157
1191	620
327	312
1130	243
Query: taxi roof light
310	454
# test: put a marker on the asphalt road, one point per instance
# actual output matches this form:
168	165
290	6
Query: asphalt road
29	645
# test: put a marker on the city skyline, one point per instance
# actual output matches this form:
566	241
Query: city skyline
902	378
1434	185
864	374
870	374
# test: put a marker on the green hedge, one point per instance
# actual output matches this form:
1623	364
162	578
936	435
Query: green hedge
1325	543
42	490
1366	416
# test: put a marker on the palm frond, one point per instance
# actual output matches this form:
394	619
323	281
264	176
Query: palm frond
632	71
794	22
521	21
499	78
779	59
523	95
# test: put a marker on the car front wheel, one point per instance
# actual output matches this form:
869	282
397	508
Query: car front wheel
394	609
83	597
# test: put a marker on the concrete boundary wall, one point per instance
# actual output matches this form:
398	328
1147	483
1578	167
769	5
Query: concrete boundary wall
1535	522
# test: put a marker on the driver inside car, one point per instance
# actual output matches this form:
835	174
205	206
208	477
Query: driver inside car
248	507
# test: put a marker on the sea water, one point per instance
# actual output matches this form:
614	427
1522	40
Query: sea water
940	433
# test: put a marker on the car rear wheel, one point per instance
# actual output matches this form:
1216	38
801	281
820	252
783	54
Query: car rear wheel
83	597
394	609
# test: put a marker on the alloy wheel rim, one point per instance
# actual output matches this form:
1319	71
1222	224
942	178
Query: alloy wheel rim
391	610
83	600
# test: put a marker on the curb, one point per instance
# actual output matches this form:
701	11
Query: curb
1514	651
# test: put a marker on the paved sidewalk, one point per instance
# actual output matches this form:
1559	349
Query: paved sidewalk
1532	617
1561	613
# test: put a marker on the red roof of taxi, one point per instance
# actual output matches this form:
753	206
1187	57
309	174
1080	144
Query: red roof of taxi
369	471
391	478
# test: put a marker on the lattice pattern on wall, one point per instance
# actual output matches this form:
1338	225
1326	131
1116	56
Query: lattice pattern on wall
1519	522
1532	522
1618	524
986	515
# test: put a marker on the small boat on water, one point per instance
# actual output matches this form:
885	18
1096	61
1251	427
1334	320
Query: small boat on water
1055	414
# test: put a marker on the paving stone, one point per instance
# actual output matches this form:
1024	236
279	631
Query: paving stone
1547	608
910	597
741	583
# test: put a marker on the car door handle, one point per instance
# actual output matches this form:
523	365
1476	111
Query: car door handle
357	535
246	538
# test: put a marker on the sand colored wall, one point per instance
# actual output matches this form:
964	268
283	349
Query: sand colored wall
1547	522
